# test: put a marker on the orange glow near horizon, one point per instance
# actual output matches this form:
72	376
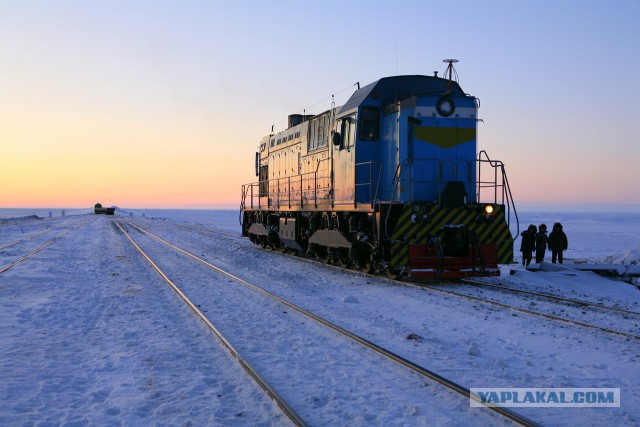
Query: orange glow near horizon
117	163
169	162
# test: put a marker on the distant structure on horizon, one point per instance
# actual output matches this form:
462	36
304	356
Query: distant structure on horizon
98	209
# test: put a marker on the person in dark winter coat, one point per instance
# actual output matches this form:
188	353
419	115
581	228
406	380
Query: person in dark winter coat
528	244
557	242
541	242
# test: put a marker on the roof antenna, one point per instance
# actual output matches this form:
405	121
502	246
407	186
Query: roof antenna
451	70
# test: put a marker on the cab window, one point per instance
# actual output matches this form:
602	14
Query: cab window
348	131
369	124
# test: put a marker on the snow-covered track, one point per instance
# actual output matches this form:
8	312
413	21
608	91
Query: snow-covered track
352	336
30	254
3	269
10	244
211	230
550	297
25	239
439	288
531	312
218	234
283	404
503	305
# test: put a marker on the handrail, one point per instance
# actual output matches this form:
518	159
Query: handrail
511	204
286	189
377	186
283	190
506	188
393	196
315	187
461	170
372	196
242	203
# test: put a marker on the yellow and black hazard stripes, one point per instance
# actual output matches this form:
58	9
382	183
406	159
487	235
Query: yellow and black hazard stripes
494	229
419	225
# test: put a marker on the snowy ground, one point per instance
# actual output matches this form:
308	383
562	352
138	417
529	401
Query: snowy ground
91	335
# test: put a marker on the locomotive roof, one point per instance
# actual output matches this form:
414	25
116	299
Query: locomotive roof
391	89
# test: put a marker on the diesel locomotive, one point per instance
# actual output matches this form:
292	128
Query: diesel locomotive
392	181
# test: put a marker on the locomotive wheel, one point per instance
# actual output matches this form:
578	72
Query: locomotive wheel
320	253
327	258
367	267
367	264
393	273
343	258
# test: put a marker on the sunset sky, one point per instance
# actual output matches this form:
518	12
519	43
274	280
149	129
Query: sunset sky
162	103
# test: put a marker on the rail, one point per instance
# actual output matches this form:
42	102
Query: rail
532	312
549	296
29	255
295	418
2	270
465	392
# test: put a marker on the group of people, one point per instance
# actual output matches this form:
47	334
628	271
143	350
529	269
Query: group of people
536	239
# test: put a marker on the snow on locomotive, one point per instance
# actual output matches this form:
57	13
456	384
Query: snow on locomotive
391	181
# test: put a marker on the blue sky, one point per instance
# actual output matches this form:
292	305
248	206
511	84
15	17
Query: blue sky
173	97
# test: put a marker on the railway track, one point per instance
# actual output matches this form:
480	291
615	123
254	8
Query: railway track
25	239
212	230
29	255
282	404
221	235
36	251
555	317
570	301
566	302
387	354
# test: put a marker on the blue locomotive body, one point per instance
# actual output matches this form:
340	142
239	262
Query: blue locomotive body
389	181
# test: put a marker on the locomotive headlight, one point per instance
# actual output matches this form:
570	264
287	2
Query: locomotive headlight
488	209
